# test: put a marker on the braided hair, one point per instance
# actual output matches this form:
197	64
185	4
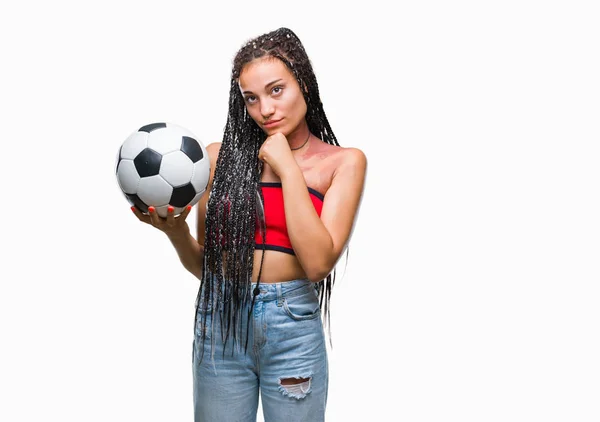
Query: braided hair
235	200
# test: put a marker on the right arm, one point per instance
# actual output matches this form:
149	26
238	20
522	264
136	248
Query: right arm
191	253
189	250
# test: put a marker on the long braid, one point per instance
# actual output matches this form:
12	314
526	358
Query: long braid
235	200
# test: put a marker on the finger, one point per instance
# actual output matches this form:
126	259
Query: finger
140	215
170	216
154	217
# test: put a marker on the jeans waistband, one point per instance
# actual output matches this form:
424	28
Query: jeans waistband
279	290
274	291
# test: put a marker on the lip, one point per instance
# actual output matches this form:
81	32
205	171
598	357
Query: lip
271	123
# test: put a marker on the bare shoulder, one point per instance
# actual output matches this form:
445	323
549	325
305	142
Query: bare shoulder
345	159
328	163
213	150
338	154
351	169
354	157
213	153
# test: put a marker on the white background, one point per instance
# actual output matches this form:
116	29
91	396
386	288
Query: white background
472	288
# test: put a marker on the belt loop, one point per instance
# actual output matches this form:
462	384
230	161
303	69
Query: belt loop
279	294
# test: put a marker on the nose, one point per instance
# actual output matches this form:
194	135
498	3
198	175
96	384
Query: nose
267	109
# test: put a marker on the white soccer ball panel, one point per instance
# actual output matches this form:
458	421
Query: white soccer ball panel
134	144
166	139
154	191
184	131
176	168
201	174
128	177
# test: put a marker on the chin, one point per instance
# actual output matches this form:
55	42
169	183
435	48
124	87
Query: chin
274	130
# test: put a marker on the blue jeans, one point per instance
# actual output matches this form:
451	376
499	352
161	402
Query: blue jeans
286	342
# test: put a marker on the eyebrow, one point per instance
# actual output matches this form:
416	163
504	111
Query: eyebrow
266	86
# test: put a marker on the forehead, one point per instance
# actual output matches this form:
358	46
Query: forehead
259	72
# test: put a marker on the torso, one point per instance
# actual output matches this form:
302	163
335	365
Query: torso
318	164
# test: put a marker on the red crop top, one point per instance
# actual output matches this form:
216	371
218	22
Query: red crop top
277	238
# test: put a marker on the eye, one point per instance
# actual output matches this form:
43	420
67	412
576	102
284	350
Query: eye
250	99
278	88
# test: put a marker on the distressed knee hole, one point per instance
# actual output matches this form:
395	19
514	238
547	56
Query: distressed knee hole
295	387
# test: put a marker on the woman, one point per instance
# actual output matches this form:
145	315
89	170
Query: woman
283	200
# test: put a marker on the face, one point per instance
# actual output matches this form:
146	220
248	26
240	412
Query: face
271	93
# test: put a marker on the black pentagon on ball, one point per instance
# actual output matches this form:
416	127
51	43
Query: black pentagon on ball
192	149
147	162
135	200
153	126
182	195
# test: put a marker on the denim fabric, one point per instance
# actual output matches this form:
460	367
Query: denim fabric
286	340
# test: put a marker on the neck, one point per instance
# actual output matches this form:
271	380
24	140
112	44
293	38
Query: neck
302	143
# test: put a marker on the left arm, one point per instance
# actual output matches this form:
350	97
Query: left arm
319	242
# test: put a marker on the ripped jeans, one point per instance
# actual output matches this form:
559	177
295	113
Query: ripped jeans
286	361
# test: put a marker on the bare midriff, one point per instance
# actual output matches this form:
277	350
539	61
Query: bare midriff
276	267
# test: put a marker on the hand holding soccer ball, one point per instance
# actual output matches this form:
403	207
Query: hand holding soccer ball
171	226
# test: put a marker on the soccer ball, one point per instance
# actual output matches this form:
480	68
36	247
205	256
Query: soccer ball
162	164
